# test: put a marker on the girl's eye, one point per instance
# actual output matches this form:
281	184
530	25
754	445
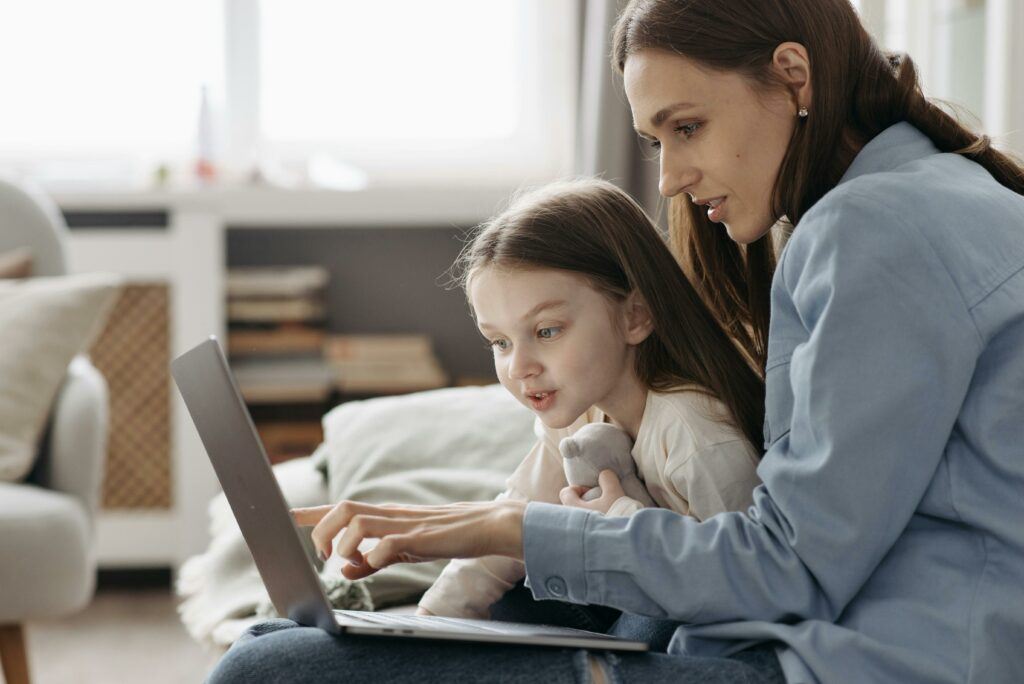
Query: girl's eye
688	129
654	144
500	345
548	333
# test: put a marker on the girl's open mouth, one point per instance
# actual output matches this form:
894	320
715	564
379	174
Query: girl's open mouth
542	401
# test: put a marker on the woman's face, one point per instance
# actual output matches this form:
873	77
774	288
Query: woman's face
721	142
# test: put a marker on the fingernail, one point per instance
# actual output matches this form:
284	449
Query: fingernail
355	562
323	555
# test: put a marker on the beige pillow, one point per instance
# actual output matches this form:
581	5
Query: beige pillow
44	322
17	263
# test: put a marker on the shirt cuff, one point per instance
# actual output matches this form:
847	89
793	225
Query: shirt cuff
624	507
553	551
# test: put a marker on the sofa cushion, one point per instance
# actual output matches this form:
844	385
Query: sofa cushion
44	570
44	323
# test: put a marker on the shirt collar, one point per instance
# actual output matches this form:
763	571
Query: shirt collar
896	145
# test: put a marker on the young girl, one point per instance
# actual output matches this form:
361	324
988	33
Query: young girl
592	320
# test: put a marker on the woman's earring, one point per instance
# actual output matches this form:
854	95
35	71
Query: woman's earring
802	113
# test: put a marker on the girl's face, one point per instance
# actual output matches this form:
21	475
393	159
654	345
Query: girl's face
560	346
720	141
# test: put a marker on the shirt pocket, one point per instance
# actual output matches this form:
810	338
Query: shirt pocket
778	402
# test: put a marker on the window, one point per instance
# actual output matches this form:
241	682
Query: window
945	38
103	87
408	90
450	91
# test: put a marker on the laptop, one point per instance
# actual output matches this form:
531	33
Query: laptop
229	436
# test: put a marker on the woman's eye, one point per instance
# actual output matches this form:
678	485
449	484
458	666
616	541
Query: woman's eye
548	333
500	345
688	129
654	144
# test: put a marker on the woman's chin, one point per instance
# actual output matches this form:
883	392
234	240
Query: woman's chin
744	234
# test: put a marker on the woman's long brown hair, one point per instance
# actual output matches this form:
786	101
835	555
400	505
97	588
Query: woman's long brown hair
593	229
858	91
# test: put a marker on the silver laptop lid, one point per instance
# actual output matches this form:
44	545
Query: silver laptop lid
227	431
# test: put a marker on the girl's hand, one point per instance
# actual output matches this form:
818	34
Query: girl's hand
413	534
611	491
423	611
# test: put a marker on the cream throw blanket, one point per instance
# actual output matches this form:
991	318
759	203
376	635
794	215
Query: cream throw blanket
455	444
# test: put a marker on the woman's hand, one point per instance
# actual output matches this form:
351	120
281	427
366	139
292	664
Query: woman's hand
611	491
413	534
424	612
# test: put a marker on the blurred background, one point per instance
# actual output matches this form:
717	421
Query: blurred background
296	177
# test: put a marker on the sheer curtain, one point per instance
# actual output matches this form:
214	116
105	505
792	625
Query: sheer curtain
606	143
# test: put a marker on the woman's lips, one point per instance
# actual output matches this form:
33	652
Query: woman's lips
542	404
716	209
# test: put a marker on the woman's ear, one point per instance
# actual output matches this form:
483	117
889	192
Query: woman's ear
638	321
793	67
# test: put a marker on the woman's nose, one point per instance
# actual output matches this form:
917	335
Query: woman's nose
676	175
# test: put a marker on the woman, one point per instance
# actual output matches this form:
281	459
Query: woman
885	543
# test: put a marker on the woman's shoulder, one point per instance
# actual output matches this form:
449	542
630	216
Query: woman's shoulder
942	209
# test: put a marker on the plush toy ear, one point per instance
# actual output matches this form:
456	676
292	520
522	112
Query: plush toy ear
569	447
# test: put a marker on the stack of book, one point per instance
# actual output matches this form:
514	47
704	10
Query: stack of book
276	311
276	336
367	365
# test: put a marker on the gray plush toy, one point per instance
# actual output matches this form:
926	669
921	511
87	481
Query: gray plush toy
601	446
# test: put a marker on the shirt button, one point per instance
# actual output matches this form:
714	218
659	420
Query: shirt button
555	586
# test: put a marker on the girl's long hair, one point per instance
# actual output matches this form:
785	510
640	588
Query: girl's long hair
858	91
593	229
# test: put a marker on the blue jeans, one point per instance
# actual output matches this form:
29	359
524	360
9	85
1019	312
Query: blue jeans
282	651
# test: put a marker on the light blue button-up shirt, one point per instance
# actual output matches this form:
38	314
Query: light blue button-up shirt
887	541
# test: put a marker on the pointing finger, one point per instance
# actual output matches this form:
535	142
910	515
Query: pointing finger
305	517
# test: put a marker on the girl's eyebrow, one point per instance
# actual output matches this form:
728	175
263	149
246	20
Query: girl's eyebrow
550	304
543	306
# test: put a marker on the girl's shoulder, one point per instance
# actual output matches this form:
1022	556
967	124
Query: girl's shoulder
692	410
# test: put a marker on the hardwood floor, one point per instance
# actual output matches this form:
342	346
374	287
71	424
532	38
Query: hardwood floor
124	635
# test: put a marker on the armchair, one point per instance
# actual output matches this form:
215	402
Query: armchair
47	565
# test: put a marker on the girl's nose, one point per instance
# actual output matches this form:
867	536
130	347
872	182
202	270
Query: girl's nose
522	365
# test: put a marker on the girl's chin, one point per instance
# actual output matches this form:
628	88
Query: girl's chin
555	422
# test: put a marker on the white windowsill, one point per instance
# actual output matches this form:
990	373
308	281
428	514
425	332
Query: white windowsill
274	207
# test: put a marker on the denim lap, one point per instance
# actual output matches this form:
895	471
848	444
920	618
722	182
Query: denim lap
282	651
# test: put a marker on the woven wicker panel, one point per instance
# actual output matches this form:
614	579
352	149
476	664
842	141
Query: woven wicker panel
132	353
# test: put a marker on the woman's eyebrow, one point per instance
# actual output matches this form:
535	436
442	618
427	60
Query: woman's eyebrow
660	117
666	112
